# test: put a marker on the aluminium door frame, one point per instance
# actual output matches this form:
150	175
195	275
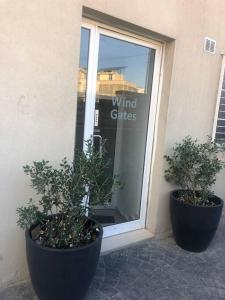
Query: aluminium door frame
222	70
95	31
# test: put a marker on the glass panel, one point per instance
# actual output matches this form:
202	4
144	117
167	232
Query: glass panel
124	81
82	86
220	129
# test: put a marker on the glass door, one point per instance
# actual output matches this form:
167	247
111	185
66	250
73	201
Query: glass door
118	83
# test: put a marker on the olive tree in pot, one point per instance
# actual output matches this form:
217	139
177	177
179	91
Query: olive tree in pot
195	210
62	243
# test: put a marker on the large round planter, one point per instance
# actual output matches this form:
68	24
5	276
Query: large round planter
61	274
194	226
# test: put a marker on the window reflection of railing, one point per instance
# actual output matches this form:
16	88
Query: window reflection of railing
109	82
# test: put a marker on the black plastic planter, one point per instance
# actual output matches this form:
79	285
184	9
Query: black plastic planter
194	226
61	274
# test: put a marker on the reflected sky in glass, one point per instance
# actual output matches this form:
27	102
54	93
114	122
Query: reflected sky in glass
114	53
84	44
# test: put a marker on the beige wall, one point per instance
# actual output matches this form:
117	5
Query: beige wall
190	81
39	51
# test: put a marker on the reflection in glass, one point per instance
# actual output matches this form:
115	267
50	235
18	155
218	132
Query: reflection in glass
122	66
124	80
82	86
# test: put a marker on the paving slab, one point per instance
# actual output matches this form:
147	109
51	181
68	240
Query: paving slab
152	270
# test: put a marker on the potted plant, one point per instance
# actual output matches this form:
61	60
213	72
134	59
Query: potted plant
62	243
195	210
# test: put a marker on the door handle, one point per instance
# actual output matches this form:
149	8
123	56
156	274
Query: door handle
99	137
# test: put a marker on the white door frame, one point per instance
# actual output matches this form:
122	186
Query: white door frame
95	31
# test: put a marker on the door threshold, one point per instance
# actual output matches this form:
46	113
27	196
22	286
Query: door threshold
124	239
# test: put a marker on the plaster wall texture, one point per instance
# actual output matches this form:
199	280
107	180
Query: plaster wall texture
39	54
190	81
